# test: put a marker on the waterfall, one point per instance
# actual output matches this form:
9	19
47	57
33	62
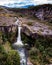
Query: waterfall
19	34
19	42
20	48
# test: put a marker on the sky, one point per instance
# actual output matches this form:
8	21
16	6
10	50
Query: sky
19	3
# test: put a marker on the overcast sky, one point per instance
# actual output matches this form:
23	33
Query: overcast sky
25	2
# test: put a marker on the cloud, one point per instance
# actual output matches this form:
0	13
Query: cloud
40	1
43	2
19	3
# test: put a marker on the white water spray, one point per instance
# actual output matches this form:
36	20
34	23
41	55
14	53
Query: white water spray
20	47
19	42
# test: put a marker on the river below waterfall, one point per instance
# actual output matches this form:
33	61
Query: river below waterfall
19	46
21	52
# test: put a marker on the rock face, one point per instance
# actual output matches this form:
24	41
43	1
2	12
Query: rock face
35	29
30	27
6	17
7	20
42	12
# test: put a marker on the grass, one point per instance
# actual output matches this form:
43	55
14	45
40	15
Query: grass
4	24
7	15
41	30
1	37
0	33
43	22
8	56
7	46
30	23
46	23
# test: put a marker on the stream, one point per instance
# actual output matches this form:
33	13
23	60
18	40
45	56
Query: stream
18	45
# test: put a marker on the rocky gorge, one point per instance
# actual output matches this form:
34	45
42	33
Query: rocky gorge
8	18
36	31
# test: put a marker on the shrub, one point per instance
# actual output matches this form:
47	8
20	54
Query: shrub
10	58
33	53
1	48
13	58
3	55
30	23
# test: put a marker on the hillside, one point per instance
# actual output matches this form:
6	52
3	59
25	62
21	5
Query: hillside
42	12
33	18
6	17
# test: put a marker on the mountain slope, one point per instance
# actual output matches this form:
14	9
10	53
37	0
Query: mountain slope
42	12
6	17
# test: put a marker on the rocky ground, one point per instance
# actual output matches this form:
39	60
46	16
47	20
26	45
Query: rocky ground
6	17
32	26
35	26
6	21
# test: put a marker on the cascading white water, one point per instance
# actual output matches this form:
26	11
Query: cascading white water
21	52
19	42
19	34
20	48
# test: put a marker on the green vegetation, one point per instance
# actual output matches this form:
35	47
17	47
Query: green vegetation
40	49
4	24
13	58
1	9
30	23
8	56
